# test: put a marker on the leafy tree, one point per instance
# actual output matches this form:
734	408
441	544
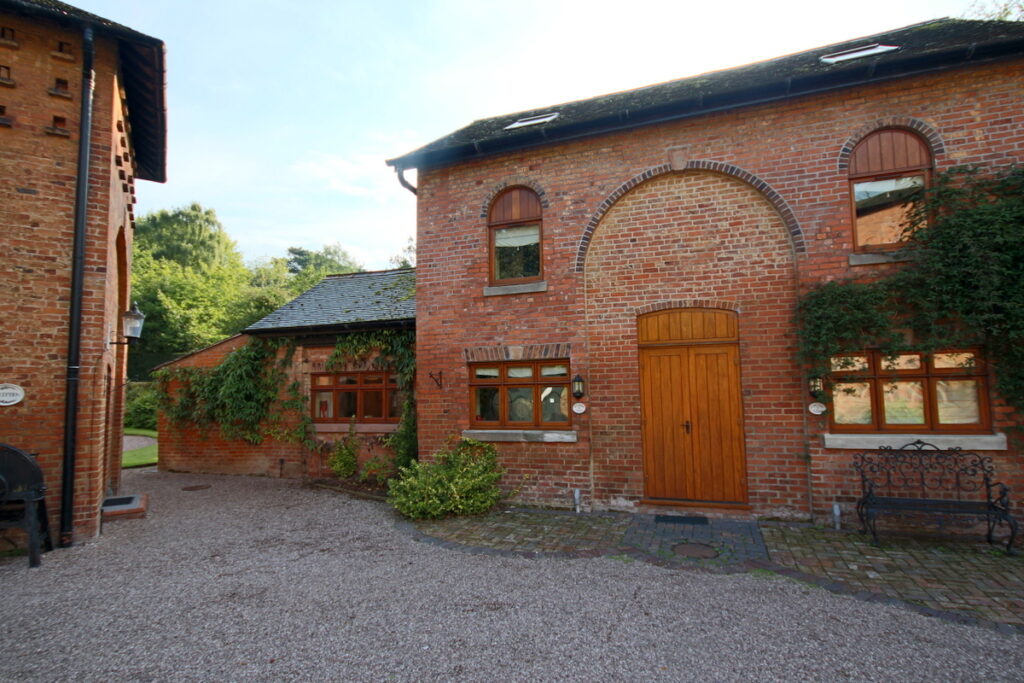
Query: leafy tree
189	235
405	258
332	259
1001	10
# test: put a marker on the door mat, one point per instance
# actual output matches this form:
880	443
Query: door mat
680	519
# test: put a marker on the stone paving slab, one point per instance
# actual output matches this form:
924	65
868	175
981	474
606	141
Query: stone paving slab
956	580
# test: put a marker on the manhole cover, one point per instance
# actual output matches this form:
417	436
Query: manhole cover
197	487
698	551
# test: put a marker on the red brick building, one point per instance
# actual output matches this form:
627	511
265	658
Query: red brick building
82	117
358	393
654	243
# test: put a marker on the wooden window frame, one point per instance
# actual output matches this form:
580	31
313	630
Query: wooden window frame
876	376
388	386
888	173
493	225
503	383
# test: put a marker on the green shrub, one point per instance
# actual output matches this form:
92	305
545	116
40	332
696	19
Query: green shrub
377	469
344	459
462	481
140	404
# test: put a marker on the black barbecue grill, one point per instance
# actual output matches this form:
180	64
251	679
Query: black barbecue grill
22	501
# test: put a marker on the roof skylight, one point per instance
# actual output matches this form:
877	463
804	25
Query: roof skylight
858	52
532	120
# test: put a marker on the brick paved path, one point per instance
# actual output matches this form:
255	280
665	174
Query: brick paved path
956	576
963	581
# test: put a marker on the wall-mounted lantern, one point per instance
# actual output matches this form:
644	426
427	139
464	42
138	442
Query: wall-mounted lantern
815	386
577	387
131	325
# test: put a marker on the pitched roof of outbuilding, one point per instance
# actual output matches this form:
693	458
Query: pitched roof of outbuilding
931	46
355	300
142	68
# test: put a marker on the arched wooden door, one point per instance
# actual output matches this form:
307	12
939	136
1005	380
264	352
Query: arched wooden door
691	406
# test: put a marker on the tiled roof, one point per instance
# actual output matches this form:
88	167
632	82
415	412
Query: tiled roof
142	64
927	47
347	301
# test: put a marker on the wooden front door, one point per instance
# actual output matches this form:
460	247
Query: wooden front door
691	406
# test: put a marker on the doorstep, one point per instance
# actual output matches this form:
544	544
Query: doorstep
125	507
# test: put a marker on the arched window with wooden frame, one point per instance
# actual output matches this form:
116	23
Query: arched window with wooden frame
886	169
515	237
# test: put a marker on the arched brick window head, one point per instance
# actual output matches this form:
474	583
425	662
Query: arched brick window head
515	241
886	169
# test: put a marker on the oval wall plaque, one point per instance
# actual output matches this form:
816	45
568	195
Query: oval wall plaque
11	394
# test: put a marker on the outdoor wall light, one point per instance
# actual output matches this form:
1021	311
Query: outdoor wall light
815	386
577	387
131	325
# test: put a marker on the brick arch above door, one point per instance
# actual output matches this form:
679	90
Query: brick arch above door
766	190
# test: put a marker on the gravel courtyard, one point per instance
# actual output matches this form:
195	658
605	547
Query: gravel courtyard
262	580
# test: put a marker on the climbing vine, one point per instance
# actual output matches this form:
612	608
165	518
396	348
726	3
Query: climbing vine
963	283
241	395
393	350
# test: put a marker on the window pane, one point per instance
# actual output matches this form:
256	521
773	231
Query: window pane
323	404
881	207
347	379
943	361
396	401
520	372
486	373
554	404
554	371
517	252
957	401
852	403
520	404
346	404
486	404
373	379
910	361
373	404
849	363
323	381
903	403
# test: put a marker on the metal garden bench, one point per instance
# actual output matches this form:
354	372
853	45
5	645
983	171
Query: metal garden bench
922	478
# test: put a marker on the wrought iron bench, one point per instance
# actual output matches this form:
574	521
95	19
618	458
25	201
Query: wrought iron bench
922	478
22	501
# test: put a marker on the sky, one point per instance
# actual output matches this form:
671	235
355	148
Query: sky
281	115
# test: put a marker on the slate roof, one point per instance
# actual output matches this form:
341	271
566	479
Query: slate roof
143	70
355	300
927	47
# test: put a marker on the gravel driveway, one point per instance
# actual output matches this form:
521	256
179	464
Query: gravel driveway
261	580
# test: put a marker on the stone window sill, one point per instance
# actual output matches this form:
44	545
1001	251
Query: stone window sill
968	442
62	55
7	82
522	435
8	43
365	428
525	288
59	93
62	132
6	121
877	257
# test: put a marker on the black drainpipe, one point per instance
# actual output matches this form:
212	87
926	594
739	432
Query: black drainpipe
67	493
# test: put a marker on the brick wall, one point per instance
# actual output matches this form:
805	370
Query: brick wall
742	210
38	167
186	448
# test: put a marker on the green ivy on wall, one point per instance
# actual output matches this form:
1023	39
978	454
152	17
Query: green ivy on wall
394	350
241	395
962	284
